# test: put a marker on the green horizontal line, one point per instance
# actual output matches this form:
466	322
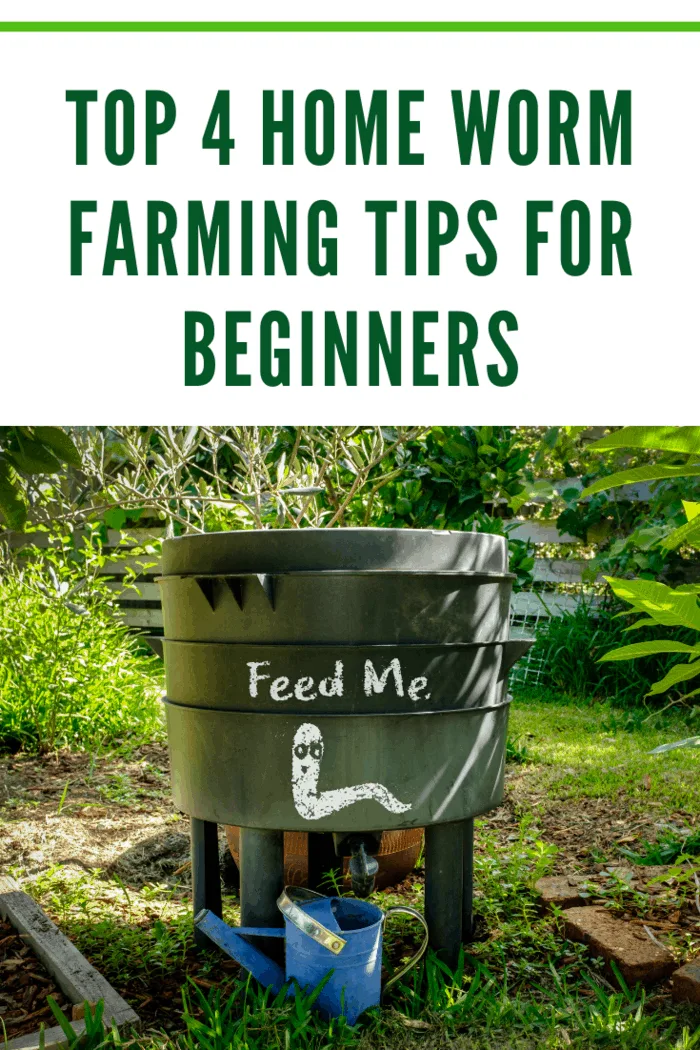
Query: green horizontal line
349	27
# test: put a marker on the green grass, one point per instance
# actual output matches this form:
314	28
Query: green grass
666	850
599	751
439	1009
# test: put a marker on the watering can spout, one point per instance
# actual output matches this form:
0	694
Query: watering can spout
512	651
233	942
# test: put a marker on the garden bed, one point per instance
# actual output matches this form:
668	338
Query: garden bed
45	963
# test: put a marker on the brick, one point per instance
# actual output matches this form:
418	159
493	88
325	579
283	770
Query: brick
685	983
561	890
638	959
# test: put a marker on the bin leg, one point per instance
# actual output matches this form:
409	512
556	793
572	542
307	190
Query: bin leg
206	882
468	882
262	876
322	859
444	873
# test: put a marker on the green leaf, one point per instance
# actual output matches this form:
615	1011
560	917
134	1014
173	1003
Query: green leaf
646	621
60	444
648	537
12	506
688	533
678	673
669	439
551	437
517	501
689	696
635	591
692	510
356	456
671	608
115	518
652	472
690	741
63	1021
632	652
34	459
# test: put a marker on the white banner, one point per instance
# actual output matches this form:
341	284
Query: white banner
591	181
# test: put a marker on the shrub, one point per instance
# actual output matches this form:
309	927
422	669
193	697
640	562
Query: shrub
70	672
571	645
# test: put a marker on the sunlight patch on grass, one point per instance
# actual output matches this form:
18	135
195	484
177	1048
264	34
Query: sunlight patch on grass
600	752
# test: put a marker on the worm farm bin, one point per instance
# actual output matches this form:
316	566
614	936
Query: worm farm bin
343	683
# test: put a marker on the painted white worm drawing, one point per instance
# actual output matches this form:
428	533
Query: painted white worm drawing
312	804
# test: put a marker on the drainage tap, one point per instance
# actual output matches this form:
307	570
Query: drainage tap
363	869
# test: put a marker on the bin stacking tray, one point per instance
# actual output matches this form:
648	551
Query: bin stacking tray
340	606
338	679
336	772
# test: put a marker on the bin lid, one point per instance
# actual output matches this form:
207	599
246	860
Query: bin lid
309	550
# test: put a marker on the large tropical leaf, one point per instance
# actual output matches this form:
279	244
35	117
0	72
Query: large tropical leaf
646	621
688	533
12	507
641	589
59	442
690	741
29	451
651	472
33	458
678	673
667	439
669	607
662	645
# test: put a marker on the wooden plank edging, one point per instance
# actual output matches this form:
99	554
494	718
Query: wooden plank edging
76	977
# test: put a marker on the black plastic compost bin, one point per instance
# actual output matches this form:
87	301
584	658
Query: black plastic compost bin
348	681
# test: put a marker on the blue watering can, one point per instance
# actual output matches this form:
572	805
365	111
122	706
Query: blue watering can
322	934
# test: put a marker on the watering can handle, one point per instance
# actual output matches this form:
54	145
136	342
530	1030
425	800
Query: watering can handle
286	902
405	910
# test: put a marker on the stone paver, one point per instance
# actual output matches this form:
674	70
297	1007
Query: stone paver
685	983
638	959
561	890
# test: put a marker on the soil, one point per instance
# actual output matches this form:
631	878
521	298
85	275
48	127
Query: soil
24	987
115	818
583	830
116	815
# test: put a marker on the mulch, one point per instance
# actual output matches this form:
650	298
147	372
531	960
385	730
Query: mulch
24	987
